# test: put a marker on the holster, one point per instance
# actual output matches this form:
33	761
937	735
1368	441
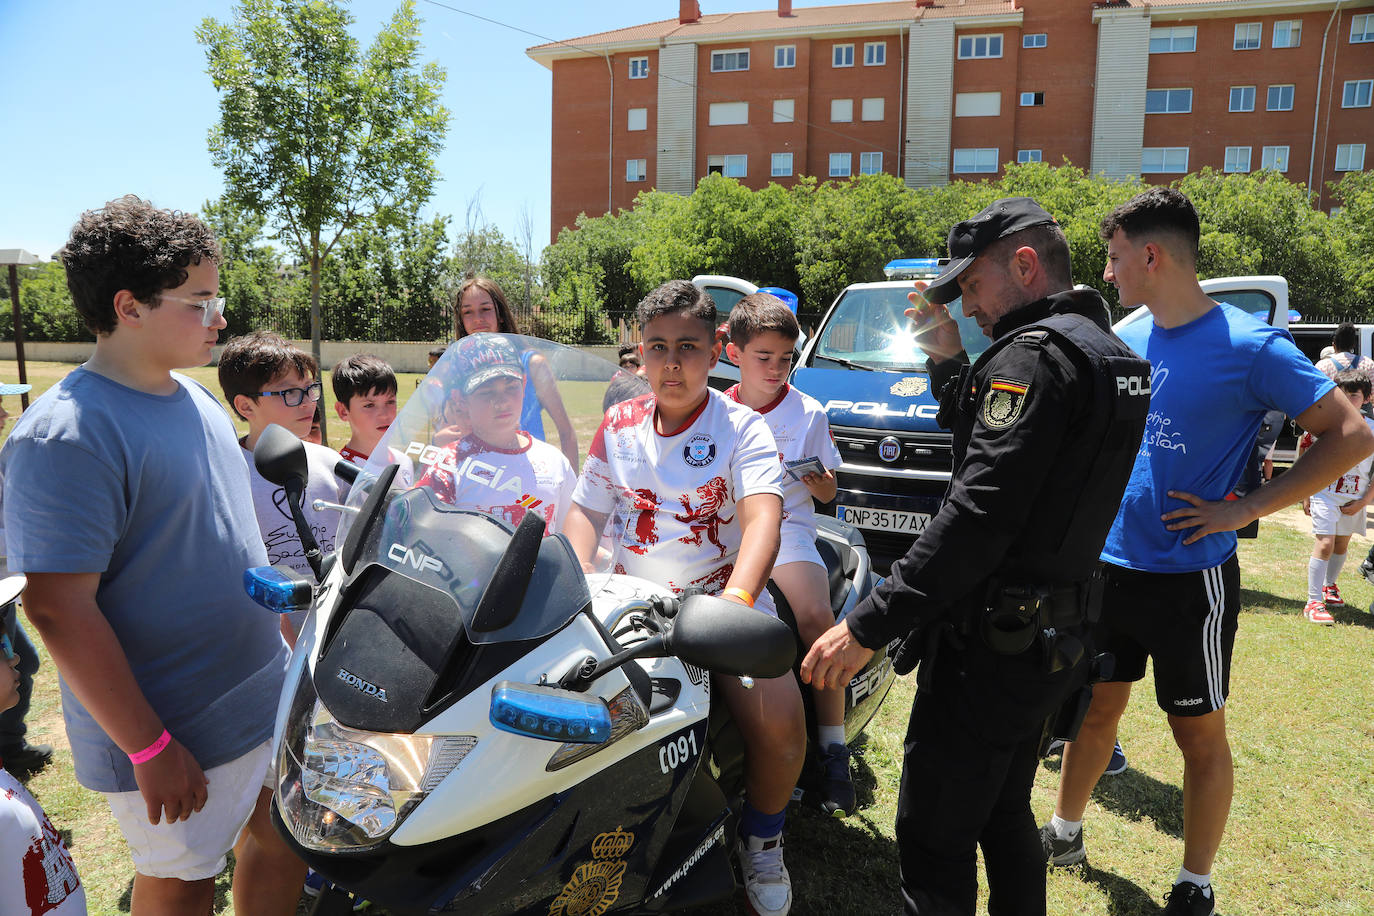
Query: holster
1018	615
1064	724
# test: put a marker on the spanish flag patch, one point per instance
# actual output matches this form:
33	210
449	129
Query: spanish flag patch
1003	402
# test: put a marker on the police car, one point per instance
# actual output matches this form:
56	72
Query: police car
864	367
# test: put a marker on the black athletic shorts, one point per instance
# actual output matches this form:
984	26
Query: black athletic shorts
1185	622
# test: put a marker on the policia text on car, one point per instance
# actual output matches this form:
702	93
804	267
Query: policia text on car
997	592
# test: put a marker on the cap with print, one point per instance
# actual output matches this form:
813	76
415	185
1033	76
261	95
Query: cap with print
971	237
483	357
7	388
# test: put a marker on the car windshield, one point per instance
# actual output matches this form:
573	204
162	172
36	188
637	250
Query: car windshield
867	328
469	473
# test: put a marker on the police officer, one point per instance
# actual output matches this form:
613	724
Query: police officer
996	593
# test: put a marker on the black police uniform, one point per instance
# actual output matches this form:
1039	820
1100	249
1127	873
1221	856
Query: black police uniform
1046	427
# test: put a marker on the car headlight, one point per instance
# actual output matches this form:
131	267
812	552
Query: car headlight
340	789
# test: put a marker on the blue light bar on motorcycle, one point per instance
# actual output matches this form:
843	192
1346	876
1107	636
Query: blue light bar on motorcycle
278	588
912	269
550	714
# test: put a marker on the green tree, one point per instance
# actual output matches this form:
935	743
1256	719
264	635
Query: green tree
1353	233
388	284
316	135
45	305
250	275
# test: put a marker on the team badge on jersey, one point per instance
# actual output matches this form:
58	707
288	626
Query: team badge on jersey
1003	402
699	451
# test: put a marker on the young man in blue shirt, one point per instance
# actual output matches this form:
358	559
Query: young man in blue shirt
1173	583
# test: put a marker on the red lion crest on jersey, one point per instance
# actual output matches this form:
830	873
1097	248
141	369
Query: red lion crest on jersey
644	503
705	517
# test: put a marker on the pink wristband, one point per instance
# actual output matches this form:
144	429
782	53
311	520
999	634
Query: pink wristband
152	750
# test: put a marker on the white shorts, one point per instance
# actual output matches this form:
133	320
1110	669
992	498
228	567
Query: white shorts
1327	517
195	848
798	545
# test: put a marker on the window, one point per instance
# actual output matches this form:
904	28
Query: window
1361	28
976	160
875	53
1350	157
972	47
729	166
785	56
726	61
1035	40
784	111
839	165
870	163
977	104
639	68
1155	159
1242	98
635	169
1280	98
1028	155
871	109
1168	101
1177	40
842	56
1031	99
1248	36
1274	157
728	113
782	165
1288	33
841	110
638	119
1357	93
1237	159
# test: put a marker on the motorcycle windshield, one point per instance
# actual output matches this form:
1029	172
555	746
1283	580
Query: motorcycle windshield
483	444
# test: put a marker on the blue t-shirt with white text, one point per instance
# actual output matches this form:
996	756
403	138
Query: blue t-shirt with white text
1211	381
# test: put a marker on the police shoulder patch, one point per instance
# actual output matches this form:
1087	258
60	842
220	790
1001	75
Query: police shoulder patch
1003	401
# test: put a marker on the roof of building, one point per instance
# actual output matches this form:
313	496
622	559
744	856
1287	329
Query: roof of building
803	19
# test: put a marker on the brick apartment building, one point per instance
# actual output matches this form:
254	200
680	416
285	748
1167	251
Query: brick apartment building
934	90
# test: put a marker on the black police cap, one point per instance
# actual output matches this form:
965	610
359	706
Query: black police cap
968	239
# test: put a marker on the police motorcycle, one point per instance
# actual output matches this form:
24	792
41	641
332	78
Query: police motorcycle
473	724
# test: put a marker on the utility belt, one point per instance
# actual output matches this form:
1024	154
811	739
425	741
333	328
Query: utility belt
1016	616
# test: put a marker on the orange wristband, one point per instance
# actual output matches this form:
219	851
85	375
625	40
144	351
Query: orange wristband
741	594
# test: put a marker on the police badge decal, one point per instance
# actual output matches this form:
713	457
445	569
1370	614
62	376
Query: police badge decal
1003	403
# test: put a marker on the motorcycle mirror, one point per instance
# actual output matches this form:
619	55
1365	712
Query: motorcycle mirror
280	457
729	638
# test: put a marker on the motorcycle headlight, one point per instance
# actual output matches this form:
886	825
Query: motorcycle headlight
340	789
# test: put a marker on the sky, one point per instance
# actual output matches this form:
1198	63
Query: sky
99	99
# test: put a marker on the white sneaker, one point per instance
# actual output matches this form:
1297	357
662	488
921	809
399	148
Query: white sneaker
766	883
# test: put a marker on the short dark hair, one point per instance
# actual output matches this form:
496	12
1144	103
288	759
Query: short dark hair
252	360
1158	212
130	244
505	318
362	374
628	351
1346	339
1050	245
1353	380
678	297
438	351
759	313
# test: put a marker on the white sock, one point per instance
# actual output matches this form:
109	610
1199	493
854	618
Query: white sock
1202	881
827	735
1334	567
1316	578
1065	830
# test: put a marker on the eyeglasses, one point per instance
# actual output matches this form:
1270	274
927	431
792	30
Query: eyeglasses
292	397
210	309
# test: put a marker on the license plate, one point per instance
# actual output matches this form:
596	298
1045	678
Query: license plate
883	519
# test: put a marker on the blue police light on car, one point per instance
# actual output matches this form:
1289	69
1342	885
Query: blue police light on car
787	296
912	269
278	588
550	714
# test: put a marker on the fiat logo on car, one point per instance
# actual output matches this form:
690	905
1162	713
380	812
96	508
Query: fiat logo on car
889	449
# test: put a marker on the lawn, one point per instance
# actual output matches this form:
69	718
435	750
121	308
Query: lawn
1301	716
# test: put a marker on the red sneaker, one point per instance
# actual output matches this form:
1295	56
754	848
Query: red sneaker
1316	612
1332	596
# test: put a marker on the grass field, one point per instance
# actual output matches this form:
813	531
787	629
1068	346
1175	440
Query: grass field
1301	717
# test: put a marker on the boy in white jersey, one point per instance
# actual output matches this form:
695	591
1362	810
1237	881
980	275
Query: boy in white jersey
1337	513
696	479
763	335
497	468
